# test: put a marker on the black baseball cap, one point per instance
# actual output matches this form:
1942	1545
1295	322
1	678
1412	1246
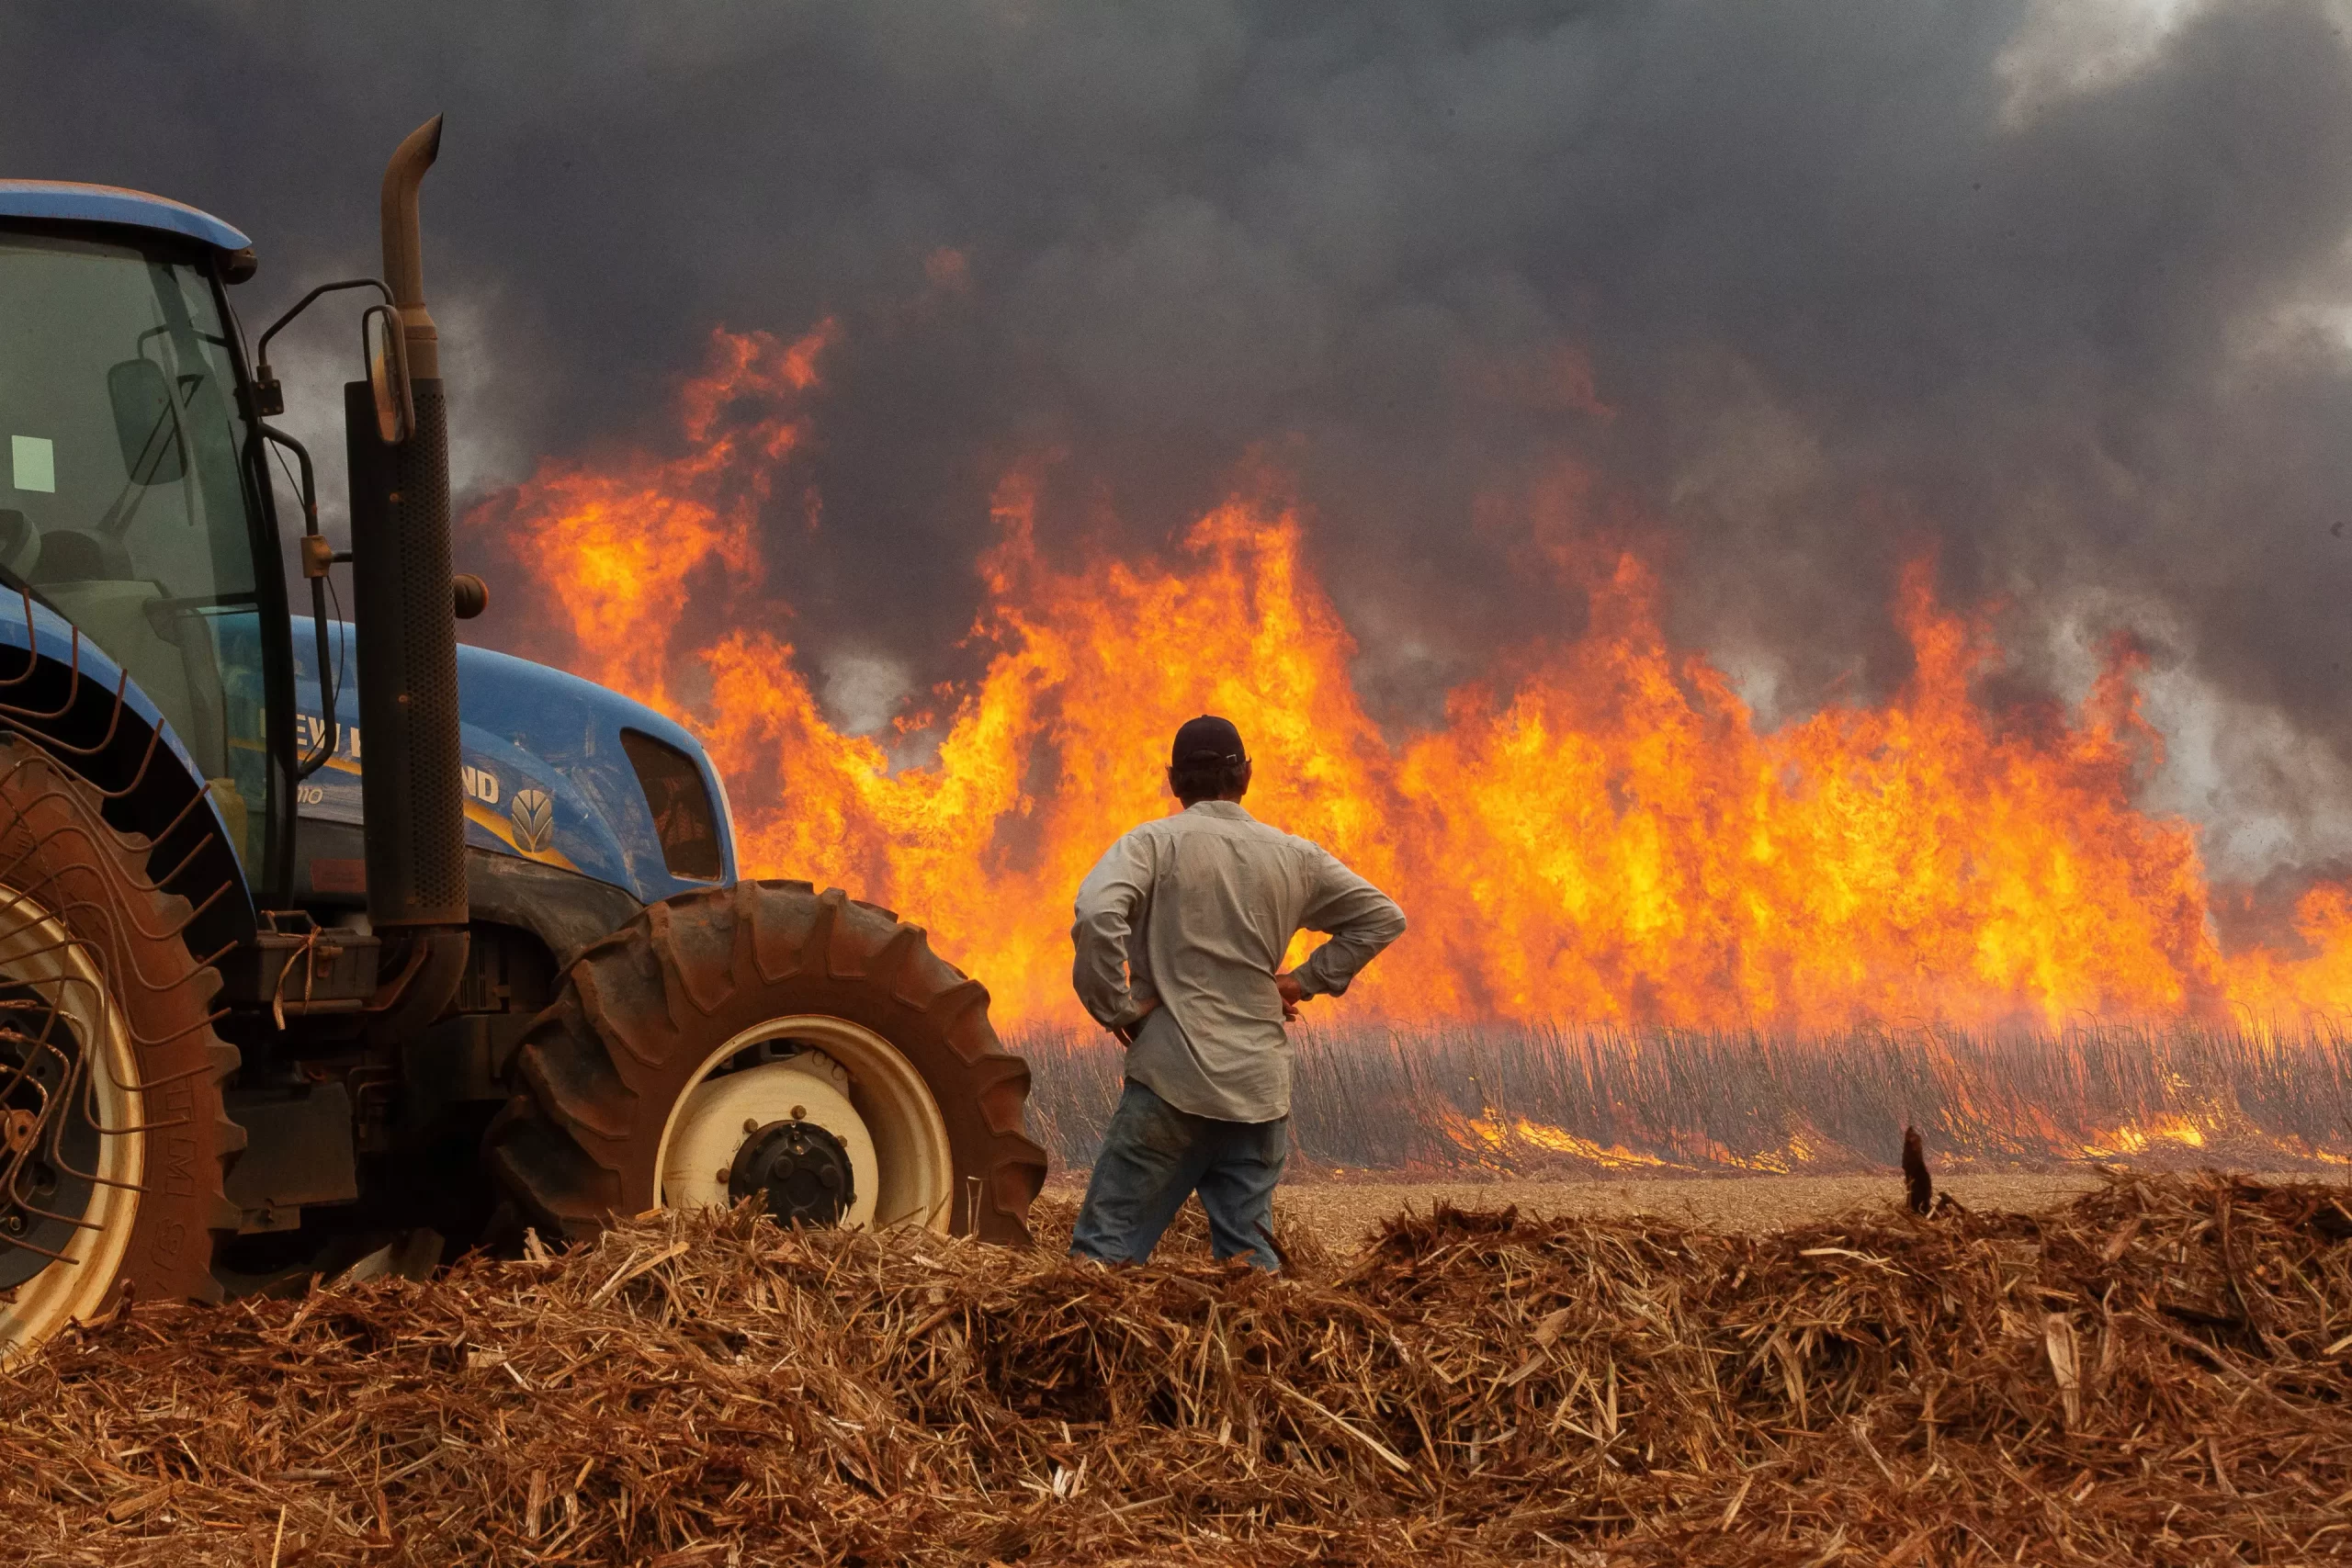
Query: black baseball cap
1207	739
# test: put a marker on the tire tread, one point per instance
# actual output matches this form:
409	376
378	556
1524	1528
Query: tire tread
641	1008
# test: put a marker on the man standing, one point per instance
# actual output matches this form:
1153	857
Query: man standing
1182	927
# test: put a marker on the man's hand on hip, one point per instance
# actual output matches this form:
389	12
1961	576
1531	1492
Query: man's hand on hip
1292	993
1126	1032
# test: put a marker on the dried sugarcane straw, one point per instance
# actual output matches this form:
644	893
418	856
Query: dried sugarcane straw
2156	1373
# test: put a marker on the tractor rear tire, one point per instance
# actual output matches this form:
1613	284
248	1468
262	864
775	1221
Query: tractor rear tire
113	1141
647	1014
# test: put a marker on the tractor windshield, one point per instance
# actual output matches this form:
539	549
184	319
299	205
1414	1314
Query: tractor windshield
123	502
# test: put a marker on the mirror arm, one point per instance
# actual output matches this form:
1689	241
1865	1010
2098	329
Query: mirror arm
317	555
310	477
269	398
330	735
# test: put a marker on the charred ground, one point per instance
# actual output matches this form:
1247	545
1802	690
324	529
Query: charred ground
2152	1373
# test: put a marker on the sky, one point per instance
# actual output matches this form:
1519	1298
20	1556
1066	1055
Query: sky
2057	293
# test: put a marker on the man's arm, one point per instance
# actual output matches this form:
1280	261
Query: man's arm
1362	920
1107	901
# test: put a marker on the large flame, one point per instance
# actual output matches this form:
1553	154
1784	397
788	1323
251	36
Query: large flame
1606	835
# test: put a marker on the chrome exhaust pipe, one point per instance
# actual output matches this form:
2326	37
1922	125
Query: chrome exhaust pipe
404	246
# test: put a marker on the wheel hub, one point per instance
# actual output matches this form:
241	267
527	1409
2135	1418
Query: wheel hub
835	1077
47	1146
74	1127
799	1169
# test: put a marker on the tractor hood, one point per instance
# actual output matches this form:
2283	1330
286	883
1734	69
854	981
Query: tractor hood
558	770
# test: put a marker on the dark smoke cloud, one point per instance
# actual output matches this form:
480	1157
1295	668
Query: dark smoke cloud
1848	281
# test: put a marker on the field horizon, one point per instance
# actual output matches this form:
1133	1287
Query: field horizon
1459	1101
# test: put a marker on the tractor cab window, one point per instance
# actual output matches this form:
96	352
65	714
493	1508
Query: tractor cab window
123	504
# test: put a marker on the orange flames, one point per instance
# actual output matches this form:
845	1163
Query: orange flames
1605	836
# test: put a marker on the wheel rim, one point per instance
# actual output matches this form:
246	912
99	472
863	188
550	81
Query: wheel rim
71	1144
883	1115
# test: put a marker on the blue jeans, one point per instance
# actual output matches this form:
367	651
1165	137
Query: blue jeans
1154	1157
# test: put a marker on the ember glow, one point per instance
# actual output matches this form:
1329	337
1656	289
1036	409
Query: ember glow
1600	833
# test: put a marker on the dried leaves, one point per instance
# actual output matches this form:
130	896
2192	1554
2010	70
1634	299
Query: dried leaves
2155	1374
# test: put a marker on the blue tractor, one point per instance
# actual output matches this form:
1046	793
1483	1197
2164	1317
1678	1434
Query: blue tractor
328	945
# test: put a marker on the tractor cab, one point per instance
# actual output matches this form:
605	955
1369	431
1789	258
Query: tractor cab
130	501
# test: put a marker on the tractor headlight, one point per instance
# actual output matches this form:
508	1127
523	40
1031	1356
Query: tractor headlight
683	818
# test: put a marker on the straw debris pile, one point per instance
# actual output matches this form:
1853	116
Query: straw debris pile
2156	1374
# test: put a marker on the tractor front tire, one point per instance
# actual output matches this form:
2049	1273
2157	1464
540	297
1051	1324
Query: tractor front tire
113	1141
650	1021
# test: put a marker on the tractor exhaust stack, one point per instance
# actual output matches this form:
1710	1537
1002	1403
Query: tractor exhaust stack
404	612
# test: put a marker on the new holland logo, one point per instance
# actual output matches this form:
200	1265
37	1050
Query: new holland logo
534	815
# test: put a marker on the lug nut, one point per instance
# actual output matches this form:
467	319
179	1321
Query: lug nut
750	1124
799	1113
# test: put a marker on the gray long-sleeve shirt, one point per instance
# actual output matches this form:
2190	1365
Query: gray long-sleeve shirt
1197	911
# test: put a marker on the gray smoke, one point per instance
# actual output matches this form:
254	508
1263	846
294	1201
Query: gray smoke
2058	290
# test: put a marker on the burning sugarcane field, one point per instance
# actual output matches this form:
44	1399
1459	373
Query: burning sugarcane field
1225	784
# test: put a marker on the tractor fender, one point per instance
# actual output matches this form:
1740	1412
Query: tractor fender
62	692
564	910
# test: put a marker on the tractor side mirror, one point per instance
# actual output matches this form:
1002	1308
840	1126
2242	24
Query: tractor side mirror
146	422
381	332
